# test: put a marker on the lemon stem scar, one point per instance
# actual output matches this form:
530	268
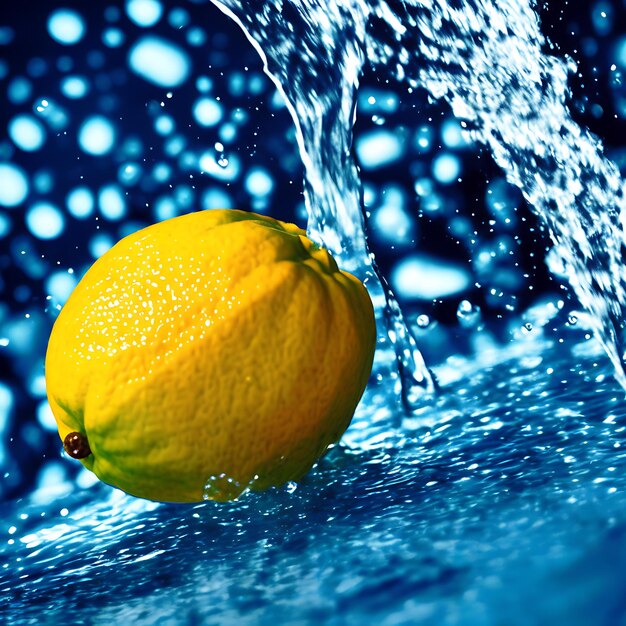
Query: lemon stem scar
77	446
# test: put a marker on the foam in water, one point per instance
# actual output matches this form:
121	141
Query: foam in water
487	60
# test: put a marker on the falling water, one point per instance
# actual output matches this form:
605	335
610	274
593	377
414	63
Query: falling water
315	54
486	59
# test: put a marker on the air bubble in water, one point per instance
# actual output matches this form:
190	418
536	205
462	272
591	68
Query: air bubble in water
19	90
113	37
112	203
228	171
222	160
207	111
164	125
74	87
214	198
379	148
446	168
6	35
291	486
60	285
258	182
420	276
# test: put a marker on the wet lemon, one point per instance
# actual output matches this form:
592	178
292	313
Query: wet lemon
207	354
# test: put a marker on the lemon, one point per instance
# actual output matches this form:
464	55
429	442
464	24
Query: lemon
207	354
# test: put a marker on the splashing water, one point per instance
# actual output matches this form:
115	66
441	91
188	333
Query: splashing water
315	55
490	504
486	59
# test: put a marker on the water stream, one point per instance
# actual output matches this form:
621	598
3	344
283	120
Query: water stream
488	60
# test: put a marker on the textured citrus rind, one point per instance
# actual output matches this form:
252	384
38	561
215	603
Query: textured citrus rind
210	353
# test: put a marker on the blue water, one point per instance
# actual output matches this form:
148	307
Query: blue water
504	503
497	499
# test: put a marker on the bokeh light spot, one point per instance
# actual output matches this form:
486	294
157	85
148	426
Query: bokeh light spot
45	221
13	185
96	136
207	111
378	148
74	87
27	132
144	13
80	202
159	61
112	202
424	277
66	26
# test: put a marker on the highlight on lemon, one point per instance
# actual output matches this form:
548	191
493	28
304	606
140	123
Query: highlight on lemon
208	354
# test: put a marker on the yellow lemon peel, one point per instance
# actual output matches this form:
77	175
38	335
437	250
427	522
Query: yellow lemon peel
206	354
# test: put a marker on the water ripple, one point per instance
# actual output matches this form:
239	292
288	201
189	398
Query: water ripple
473	496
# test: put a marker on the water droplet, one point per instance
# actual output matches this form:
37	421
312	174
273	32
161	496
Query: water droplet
290	487
129	173
423	321
42	106
221	487
468	314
